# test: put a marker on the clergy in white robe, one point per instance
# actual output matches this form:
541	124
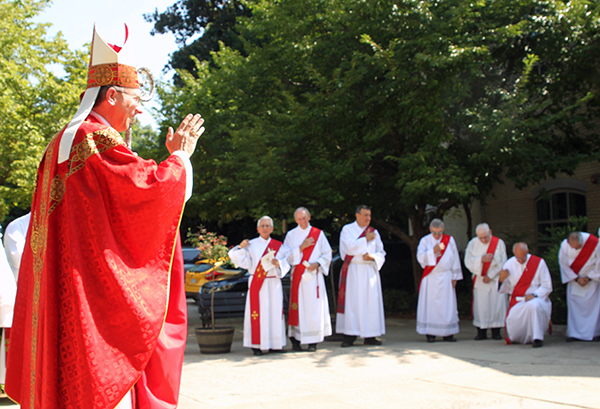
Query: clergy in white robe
253	256
528	319
8	291
484	257
312	306
583	291
437	311
14	242
360	300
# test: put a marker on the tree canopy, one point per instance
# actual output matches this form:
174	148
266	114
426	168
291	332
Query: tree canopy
403	105
35	102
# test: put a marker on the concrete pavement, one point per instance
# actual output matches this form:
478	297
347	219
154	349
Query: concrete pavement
405	372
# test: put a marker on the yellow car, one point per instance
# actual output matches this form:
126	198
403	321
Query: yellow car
201	273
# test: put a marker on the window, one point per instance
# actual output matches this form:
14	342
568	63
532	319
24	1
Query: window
554	210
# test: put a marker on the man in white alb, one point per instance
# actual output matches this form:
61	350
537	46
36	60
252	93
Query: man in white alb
437	312
360	300
310	255
527	279
264	323
484	258
8	292
578	260
14	242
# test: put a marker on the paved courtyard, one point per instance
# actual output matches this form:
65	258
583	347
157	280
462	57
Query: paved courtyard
405	372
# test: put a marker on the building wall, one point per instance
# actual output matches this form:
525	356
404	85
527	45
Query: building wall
511	213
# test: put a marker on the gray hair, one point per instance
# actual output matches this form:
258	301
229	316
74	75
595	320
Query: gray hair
303	209
520	244
264	218
359	208
482	227
576	235
436	223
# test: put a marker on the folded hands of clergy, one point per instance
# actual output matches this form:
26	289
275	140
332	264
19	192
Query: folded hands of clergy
370	235
245	243
503	275
368	257
582	281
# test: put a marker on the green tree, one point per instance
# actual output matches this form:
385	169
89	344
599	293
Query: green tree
212	20
34	102
407	106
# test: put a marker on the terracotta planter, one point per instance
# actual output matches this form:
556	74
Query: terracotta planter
214	341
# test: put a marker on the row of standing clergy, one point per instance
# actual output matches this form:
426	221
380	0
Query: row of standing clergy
306	253
512	293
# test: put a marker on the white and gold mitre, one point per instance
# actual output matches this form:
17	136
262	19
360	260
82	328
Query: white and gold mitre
109	65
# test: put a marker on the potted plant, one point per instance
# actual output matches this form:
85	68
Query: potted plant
213	249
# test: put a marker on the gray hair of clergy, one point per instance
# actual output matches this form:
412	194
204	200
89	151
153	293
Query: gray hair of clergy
436	223
303	209
482	227
576	235
359	208
264	218
520	244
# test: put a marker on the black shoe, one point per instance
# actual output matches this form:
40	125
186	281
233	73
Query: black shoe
571	339
277	351
449	338
496	334
537	343
257	352
430	338
596	339
373	341
481	334
348	341
295	344
312	347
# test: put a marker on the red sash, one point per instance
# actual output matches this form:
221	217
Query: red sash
584	254
486	266
297	276
523	285
427	269
344	274
257	281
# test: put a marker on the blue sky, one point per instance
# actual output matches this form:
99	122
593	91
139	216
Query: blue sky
75	19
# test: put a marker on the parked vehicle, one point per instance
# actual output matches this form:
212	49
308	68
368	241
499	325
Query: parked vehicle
230	293
201	273
191	256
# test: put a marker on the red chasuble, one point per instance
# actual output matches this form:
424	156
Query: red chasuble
427	269
297	276
584	254
257	281
94	285
522	285
341	307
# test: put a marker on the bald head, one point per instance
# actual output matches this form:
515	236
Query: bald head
575	240
520	250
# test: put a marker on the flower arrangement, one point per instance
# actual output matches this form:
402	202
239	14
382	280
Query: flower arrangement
213	248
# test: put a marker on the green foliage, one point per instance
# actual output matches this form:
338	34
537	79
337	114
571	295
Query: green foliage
34	102
213	20
398	301
399	105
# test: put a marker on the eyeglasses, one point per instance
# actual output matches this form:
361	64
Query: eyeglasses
437	233
264	226
137	98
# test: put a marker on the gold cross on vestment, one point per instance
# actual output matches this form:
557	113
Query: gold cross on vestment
254	315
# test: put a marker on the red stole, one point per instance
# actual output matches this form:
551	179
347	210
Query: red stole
341	307
486	266
94	281
427	269
523	284
257	281
584	254
297	276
